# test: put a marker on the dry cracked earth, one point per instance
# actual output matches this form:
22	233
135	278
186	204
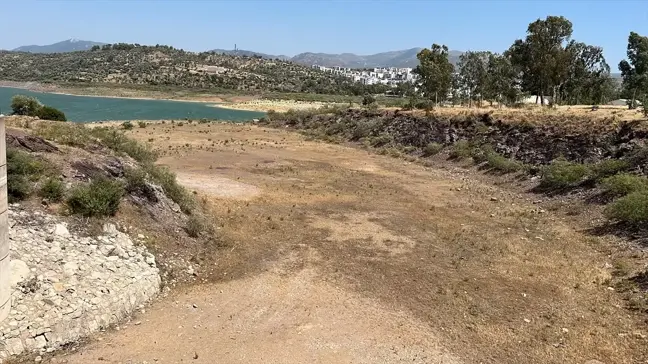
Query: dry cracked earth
332	254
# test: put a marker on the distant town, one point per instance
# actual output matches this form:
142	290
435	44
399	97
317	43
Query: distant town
372	76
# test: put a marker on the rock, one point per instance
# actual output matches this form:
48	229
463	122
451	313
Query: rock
123	240
63	283
19	271
150	260
14	346
110	229
38	359
494	199
106	249
70	268
61	230
119	252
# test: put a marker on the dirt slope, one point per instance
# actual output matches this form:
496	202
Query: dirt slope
333	255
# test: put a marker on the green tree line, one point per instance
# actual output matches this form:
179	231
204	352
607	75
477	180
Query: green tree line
546	63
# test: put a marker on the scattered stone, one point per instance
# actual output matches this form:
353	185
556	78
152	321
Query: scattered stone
494	199
19	271
110	229
61	230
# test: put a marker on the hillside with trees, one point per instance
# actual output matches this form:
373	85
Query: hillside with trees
133	64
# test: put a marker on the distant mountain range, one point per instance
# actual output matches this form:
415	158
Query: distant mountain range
70	45
402	58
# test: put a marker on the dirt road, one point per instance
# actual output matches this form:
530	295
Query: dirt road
334	255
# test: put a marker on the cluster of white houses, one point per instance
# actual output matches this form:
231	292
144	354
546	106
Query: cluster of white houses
384	75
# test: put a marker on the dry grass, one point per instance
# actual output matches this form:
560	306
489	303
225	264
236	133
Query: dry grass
496	281
577	115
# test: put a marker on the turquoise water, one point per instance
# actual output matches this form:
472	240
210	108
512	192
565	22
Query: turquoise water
87	109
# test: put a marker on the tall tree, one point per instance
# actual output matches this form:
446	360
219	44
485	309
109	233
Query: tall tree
501	80
435	72
473	74
587	74
634	70
541	57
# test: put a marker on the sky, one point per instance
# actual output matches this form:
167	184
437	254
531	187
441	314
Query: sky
328	26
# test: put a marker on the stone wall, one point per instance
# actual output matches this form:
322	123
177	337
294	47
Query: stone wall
5	289
65	287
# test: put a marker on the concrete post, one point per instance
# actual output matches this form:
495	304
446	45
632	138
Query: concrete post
5	270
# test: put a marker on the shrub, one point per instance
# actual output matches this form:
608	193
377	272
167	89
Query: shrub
502	164
22	170
141	124
23	163
564	174
53	189
461	150
480	154
432	149
165	178
18	187
120	143
136	184
101	197
381	140
624	183
609	167
632	208
127	125
368	100
25	105
195	226
50	113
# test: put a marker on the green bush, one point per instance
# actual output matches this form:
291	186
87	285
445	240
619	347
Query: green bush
22	170
480	154
18	187
53	189
502	164
563	174
136	184
165	178
120	143
141	124
432	149
101	197
632	208
624	183
461	150
50	113
609	167
127	125
368	100
25	105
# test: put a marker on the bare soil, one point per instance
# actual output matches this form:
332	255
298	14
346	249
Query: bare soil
330	254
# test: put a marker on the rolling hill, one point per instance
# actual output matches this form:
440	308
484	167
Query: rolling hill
399	58
70	45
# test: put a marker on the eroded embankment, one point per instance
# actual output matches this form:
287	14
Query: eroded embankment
575	139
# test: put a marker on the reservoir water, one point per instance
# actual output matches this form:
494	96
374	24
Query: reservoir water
87	109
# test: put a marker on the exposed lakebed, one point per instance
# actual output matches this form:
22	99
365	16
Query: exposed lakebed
90	108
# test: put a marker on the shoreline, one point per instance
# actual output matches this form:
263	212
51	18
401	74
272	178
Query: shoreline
69	92
246	103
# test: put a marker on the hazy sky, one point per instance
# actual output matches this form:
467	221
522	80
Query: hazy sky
291	27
